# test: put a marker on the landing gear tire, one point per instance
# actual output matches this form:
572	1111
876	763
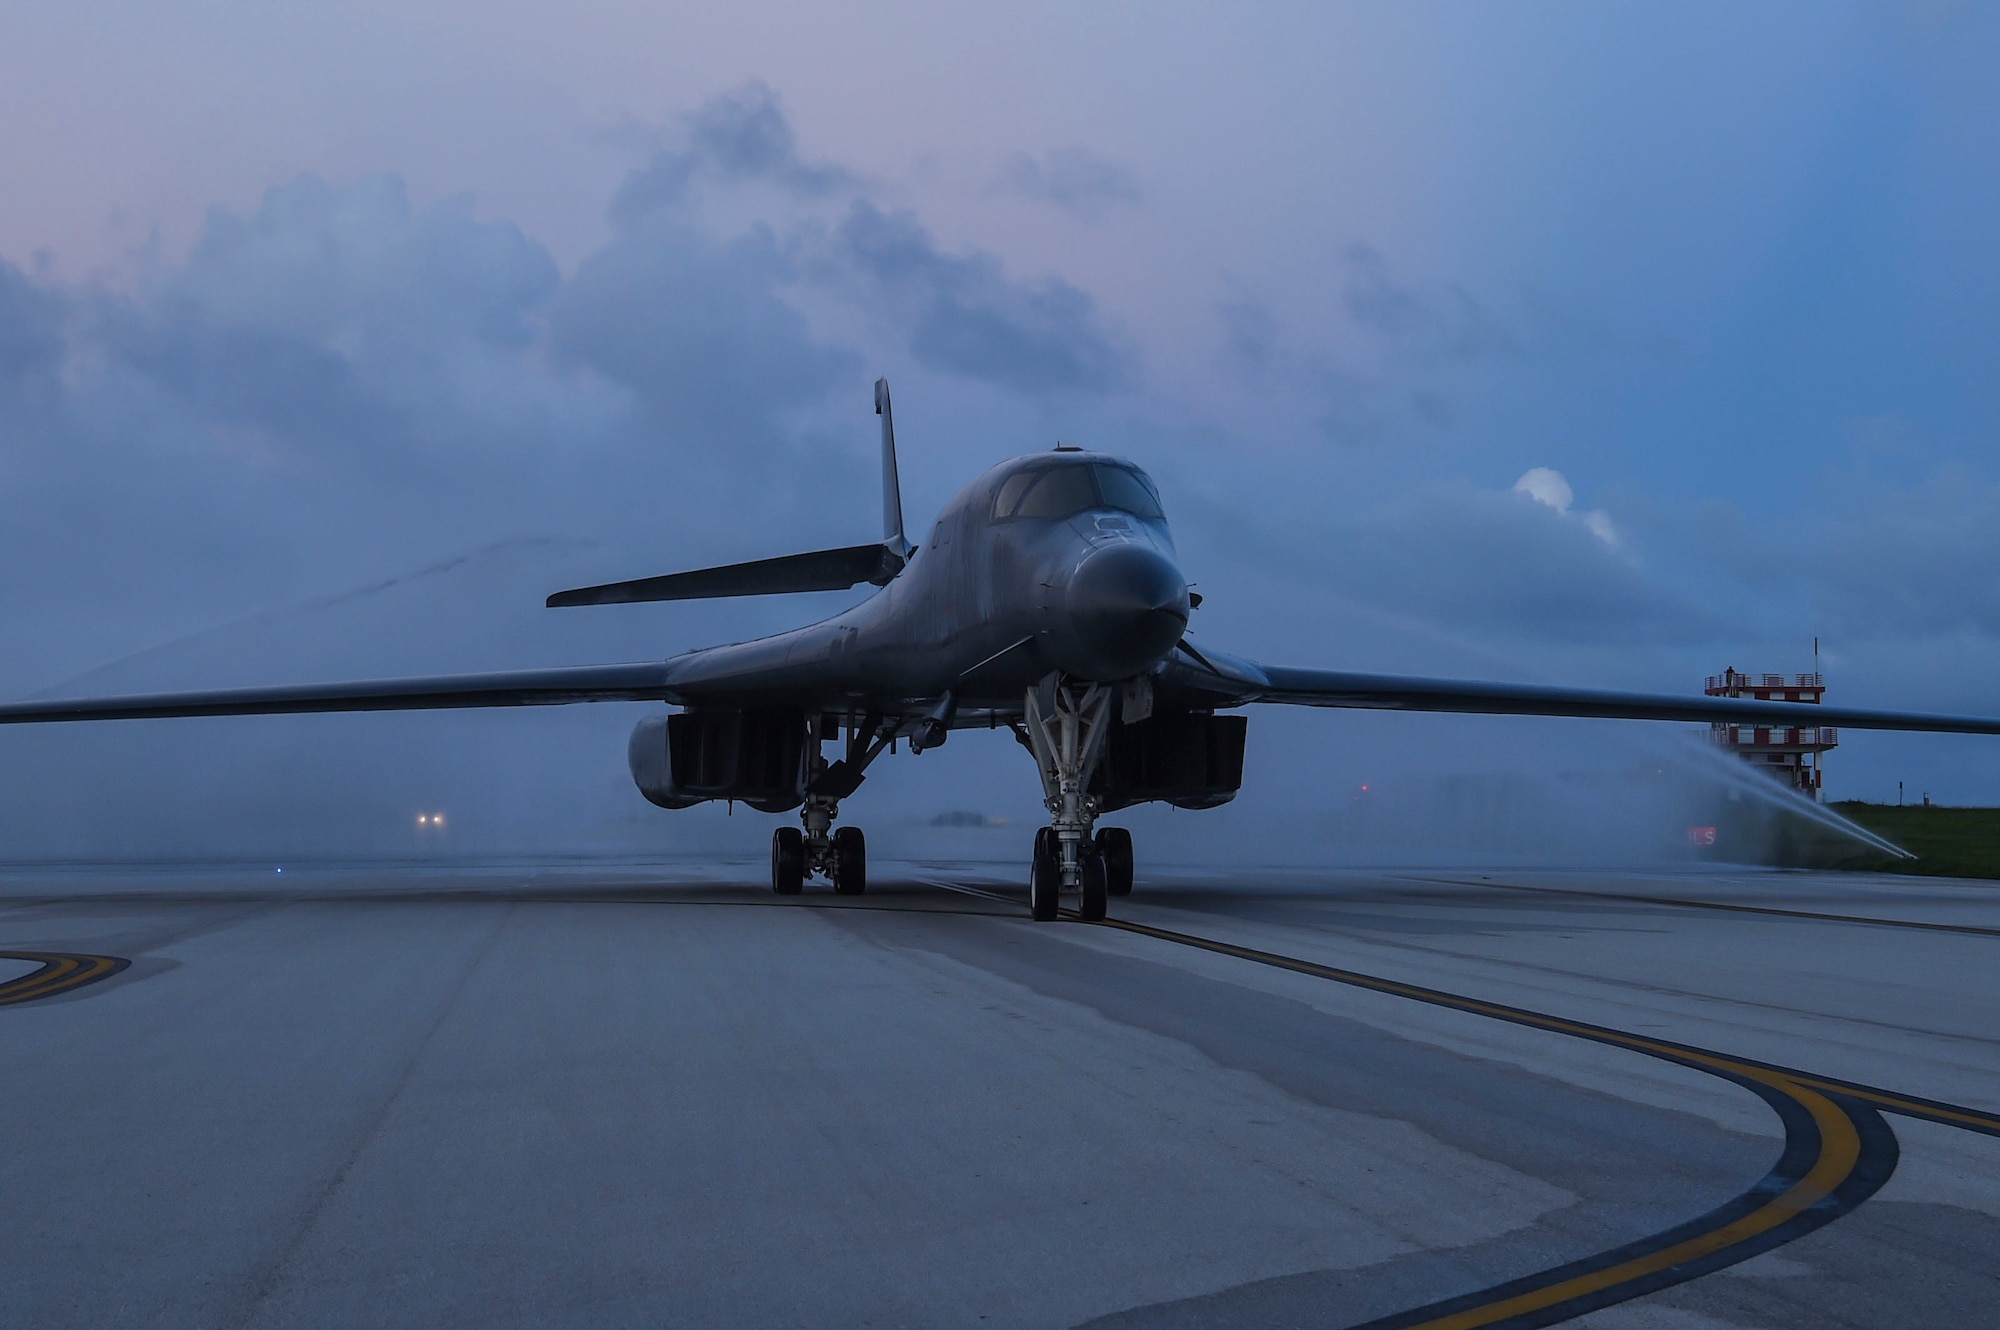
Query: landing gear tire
1044	877
850	861
1092	909
1114	848
788	861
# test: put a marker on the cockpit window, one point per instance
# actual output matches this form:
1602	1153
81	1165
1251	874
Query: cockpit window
1059	491
1011	490
1127	490
1062	490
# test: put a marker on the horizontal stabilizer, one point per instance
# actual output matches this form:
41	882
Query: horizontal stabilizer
822	570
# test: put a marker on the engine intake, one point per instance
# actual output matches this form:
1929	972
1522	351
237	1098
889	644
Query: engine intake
690	757
1189	761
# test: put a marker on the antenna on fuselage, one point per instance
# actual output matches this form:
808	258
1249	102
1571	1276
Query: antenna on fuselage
892	490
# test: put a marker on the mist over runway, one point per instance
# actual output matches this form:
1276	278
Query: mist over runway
614	1093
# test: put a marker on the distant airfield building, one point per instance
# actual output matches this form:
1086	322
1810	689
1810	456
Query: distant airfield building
1789	752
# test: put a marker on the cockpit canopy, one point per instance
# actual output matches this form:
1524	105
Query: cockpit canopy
1073	487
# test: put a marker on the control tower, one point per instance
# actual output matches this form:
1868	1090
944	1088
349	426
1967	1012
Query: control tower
1789	752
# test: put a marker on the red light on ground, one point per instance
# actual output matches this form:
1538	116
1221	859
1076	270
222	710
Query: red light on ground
1701	837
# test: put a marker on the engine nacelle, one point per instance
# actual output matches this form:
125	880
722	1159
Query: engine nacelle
758	757
1189	761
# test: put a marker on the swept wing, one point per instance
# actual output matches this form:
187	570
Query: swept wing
642	682
1224	680
1208	679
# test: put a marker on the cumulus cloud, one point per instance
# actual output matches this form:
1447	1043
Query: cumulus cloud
341	382
696	327
1549	488
1072	179
961	312
334	321
1546	486
340	385
740	136
966	315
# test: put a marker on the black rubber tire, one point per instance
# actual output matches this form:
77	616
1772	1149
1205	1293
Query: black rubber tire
850	861
1092	909
1044	877
788	861
1114	847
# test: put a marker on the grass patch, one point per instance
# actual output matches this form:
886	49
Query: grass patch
1948	842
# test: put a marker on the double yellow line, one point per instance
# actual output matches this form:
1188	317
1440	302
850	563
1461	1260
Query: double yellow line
1838	1152
61	971
1846	1153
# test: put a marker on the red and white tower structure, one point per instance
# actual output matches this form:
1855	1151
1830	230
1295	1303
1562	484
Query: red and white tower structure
1789	752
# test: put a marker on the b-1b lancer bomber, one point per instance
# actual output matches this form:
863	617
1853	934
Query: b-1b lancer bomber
1048	600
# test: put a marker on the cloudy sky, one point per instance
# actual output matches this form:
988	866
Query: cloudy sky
1607	343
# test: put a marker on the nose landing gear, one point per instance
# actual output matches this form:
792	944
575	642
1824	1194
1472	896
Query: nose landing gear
1104	874
1064	726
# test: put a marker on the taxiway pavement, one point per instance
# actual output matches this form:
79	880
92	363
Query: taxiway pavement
611	1094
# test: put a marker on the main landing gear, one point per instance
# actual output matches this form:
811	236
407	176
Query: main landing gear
1064	726
839	856
843	858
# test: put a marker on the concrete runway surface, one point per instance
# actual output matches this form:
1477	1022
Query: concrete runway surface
625	1094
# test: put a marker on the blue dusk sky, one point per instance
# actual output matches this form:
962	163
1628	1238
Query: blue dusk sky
1599	343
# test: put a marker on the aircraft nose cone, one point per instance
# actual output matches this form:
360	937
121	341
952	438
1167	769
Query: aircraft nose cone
1128	605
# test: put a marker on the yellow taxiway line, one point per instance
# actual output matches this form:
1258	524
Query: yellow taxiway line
61	971
1837	1153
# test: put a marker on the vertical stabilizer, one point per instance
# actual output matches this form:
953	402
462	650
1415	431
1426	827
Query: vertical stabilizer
892	490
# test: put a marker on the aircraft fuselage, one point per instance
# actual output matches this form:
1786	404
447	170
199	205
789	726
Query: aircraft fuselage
1051	562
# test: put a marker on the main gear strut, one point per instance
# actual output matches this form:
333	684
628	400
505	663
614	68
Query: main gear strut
839	856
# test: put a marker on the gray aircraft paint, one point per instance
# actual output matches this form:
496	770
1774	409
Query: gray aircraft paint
990	606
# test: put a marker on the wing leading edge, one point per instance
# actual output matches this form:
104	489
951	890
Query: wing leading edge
1392	692
642	682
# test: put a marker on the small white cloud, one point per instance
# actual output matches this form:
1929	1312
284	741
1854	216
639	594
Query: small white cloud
1546	485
